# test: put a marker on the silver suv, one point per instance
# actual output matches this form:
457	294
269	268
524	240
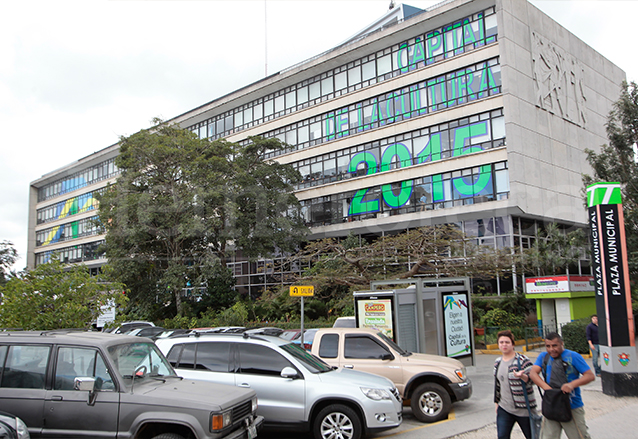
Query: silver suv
296	390
87	384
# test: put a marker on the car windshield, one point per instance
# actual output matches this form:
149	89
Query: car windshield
140	360
312	363
393	345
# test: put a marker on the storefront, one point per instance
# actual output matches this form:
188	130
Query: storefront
561	299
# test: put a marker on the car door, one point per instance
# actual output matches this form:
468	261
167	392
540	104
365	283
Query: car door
22	385
365	353
69	413
281	400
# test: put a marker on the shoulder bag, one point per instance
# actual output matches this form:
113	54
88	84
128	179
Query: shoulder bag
535	420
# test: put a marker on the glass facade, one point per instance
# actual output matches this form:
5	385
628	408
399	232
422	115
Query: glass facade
73	254
72	206
472	134
73	230
455	88
462	187
78	180
435	45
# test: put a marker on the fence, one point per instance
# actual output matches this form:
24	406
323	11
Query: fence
531	335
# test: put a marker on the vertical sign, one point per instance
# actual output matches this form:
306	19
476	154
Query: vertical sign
302	291
609	261
613	293
457	325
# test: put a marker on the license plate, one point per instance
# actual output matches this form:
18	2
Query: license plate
252	432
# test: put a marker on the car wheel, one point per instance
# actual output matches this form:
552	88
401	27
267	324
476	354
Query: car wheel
430	402
337	422
168	436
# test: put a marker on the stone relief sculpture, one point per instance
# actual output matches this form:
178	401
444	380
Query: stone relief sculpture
558	81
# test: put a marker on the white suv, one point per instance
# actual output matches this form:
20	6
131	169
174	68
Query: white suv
296	390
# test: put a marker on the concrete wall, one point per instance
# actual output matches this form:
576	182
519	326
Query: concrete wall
546	150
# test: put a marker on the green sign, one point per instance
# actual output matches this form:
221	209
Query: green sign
603	193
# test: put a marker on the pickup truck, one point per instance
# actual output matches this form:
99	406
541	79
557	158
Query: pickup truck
430	382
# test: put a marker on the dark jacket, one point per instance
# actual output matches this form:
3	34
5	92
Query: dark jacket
592	333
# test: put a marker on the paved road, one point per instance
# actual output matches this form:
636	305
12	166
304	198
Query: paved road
607	417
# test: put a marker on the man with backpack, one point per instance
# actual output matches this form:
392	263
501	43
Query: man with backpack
566	370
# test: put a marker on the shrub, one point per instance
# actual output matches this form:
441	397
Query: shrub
575	337
236	315
502	318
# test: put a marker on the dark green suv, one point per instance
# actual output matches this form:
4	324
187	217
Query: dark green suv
94	385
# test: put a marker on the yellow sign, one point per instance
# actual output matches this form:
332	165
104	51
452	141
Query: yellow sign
302	291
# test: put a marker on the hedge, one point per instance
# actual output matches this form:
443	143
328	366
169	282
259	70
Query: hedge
575	336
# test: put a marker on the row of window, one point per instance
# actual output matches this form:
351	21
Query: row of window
249	358
458	137
25	367
73	206
436	45
461	187
64	232
77	253
461	86
101	171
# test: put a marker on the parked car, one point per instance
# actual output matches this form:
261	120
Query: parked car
296	390
127	326
290	334
12	427
150	332
275	332
66	384
430	382
308	337
345	322
171	333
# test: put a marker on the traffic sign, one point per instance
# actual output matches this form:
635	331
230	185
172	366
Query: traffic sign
302	291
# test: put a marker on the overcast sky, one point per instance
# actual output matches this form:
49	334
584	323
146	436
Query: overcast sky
74	76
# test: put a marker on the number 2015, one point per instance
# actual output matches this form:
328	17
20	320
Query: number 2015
430	153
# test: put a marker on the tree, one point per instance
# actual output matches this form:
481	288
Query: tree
8	257
554	251
182	204
442	251
616	162
54	296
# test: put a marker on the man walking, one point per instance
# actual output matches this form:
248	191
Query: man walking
594	346
566	370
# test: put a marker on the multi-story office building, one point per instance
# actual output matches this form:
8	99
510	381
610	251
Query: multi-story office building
471	112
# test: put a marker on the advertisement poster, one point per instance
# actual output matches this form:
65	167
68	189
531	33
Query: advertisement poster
457	325
376	314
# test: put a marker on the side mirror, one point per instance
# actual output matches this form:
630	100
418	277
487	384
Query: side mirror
387	356
84	384
289	372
